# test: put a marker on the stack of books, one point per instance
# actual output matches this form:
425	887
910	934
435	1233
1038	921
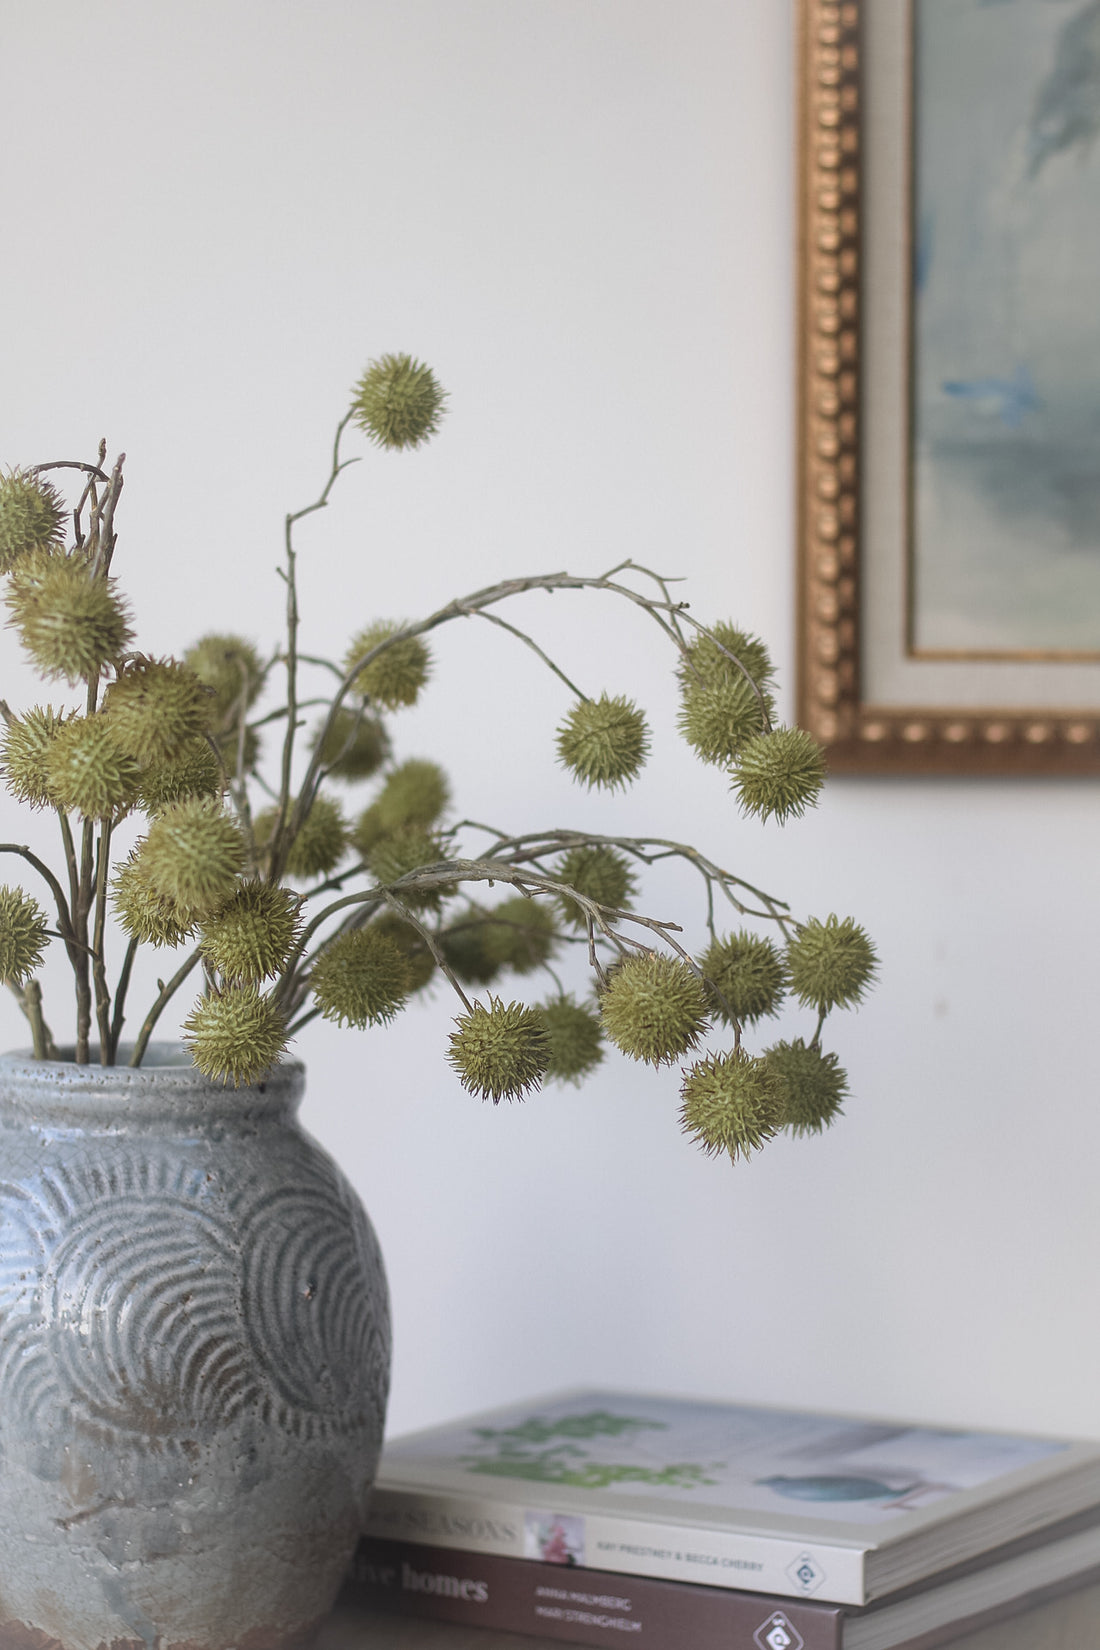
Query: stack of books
605	1518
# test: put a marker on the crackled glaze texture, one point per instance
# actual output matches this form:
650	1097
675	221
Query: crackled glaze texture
194	1359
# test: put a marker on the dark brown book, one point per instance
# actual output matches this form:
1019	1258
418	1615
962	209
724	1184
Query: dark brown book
577	1605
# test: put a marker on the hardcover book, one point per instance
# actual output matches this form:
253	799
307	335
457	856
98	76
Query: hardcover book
822	1507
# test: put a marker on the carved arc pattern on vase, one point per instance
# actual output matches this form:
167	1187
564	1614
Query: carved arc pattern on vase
151	1298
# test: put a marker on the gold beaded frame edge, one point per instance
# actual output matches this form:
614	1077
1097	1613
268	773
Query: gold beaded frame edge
861	737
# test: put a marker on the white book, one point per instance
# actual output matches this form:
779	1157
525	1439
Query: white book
824	1507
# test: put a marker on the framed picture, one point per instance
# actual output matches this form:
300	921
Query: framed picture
949	384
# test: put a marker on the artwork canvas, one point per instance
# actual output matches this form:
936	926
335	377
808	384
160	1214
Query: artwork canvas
1005	541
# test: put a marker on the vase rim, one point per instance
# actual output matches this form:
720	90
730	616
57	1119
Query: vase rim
166	1085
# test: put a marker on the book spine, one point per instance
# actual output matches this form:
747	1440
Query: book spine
710	1556
593	1607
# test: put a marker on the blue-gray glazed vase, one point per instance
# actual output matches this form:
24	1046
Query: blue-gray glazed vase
194	1360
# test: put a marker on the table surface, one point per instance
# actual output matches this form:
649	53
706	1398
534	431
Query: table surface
1078	1628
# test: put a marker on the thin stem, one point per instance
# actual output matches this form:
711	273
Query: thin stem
494	618
29	998
99	965
165	994
121	989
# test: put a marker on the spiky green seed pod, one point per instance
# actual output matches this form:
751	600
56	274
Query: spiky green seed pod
72	624
813	1083
251	936
707	658
416	793
750	975
404	851
396	676
599	873
23	751
500	1052
354	746
398	402
464	946
830	964
23	936
718	717
321	841
520	934
576	1040
779	774
367	832
32	516
143	914
156	707
235	1035
418	958
654	1008
604	741
193	854
87	773
230	667
229	747
731	1103
361	978
193	771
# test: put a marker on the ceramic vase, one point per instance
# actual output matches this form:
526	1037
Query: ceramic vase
194	1360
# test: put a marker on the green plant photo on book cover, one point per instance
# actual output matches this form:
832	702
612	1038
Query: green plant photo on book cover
291	865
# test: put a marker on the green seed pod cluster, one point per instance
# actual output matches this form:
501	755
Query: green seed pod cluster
500	1052
576	1040
749	974
718	717
707	658
404	851
192	771
321	841
814	1085
235	1035
520	934
779	774
72	623
32	516
155	707
367	832
654	1008
412	946
87	773
416	793
23	936
464	946
144	914
830	964
720	706
361	978
398	402
599	873
230	668
396	676
354	745
731	1103
251	936
604	741
24	749
193	855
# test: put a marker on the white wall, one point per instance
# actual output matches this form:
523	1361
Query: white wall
580	212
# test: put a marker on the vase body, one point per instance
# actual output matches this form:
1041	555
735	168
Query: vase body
194	1360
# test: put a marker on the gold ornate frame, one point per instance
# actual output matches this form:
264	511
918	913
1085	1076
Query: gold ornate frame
858	736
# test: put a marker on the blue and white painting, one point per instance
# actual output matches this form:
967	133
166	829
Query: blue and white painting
1005	550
